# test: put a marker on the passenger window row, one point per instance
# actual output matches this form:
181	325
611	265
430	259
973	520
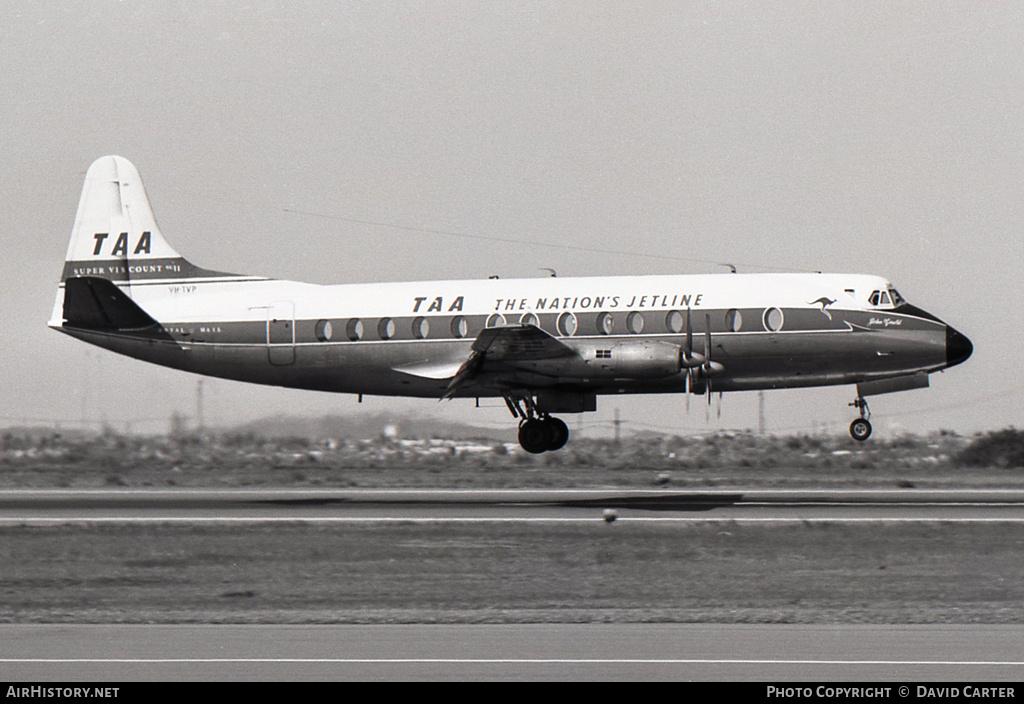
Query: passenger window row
566	324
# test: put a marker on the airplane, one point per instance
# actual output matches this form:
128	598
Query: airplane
546	346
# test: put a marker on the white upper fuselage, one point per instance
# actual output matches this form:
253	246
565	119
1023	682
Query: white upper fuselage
221	299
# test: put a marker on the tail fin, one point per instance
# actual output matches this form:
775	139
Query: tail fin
115	236
116	243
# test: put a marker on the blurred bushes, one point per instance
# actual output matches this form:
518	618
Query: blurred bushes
724	458
1002	448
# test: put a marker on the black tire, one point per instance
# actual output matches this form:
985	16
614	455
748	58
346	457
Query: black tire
559	433
860	429
534	436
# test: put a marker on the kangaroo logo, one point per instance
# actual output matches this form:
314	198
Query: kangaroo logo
824	303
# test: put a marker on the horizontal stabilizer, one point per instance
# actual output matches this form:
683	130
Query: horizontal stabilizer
97	304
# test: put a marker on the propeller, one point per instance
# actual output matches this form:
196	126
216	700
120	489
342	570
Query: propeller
699	364
689	388
687	356
710	367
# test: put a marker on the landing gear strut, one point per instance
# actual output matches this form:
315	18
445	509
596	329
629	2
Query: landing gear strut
538	432
860	429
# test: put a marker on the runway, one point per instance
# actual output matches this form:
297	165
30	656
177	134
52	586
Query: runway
519	505
762	652
590	652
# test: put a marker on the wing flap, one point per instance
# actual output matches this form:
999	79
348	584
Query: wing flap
431	370
504	346
519	343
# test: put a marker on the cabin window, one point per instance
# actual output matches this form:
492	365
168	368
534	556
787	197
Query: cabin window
324	330
897	299
354	330
635	322
603	354
460	326
495	320
567	324
733	320
674	321
605	323
773	319
386	328
529	319
420	328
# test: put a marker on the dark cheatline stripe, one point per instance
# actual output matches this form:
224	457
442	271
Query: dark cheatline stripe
138	269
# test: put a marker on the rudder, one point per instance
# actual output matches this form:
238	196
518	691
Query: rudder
116	239
115	235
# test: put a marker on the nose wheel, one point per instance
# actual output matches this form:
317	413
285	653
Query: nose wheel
860	429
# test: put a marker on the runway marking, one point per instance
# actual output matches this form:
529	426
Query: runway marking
498	661
29	520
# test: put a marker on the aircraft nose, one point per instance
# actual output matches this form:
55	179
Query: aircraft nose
958	347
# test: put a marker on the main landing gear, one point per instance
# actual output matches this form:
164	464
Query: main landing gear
538	435
538	432
860	429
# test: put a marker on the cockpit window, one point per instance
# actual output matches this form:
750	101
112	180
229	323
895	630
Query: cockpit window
889	297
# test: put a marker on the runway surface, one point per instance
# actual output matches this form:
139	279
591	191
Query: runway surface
648	652
567	505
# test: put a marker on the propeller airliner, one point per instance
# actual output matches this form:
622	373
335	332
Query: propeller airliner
546	346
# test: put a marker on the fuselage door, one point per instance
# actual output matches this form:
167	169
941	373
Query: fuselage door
281	333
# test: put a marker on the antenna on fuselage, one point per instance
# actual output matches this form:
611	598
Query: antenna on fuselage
553	272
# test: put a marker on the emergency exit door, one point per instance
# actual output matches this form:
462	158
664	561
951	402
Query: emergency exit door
281	333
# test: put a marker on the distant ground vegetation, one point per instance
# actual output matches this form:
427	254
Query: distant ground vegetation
247	459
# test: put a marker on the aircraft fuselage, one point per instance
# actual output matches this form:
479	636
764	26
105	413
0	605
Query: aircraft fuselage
545	345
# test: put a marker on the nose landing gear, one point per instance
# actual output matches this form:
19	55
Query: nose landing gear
860	429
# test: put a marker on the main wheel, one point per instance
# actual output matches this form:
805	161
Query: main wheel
860	429
559	433
534	436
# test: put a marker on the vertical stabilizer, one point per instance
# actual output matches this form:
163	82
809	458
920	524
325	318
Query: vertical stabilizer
115	235
116	238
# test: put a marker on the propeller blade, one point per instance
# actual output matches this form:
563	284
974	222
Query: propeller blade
688	356
689	389
707	354
689	334
709	366
707	336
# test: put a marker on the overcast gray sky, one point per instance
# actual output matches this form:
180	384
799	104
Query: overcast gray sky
325	141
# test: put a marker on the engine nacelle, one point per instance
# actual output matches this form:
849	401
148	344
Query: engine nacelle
641	359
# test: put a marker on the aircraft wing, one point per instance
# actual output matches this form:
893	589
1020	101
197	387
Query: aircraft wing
431	370
502	347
